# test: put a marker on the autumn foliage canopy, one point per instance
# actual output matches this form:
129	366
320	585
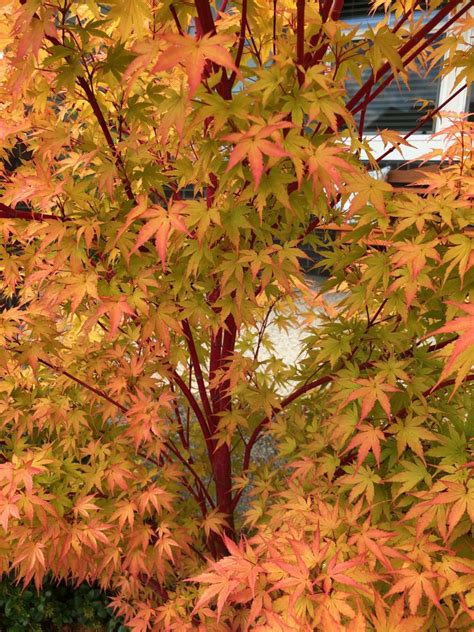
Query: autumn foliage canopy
174	163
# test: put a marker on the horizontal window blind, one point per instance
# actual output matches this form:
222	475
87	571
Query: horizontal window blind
398	107
360	9
356	8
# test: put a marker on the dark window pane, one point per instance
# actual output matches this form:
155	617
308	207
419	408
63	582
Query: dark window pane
361	8
397	107
356	9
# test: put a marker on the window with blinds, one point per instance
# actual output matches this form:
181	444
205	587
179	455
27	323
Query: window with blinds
356	9
398	106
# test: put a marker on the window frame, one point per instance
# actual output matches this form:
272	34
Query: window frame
421	144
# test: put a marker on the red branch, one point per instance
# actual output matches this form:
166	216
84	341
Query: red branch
284	404
214	364
240	49
300	10
176	20
445	383
328	10
97	391
193	404
6	212
406	48
198	371
437	387
388	80
228	347
188	465
123	408
204	12
91	98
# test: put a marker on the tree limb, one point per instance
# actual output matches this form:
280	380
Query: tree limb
6	212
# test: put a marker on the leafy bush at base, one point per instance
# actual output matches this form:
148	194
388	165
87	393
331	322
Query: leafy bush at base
57	607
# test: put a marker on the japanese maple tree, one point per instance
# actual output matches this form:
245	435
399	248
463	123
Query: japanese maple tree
174	163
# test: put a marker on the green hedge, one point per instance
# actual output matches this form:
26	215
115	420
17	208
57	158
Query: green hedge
56	608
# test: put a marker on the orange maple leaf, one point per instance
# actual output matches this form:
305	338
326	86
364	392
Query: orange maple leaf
192	54
415	584
116	308
254	143
371	390
465	341
461	500
367	438
395	621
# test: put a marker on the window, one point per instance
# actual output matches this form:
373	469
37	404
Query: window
398	107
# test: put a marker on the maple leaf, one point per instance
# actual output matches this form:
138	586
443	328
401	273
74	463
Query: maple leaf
415	584
125	513
373	540
461	499
340	572
371	390
8	509
83	506
131	15
367	190
328	168
156	497
116	309
220	586
254	144
161	225
414	255
192	54
462	357
410	476
461	254
395	621
361	481
409	433
367	438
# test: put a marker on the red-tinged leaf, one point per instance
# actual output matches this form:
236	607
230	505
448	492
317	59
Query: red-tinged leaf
157	498
461	499
161	242
116	309
395	620
415	584
367	438
83	506
193	53
8	509
125	513
224	586
256	162
457	511
253	143
463	345
358	623
272	149
238	154
373	389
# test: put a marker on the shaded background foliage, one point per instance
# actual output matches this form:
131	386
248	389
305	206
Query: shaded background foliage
55	608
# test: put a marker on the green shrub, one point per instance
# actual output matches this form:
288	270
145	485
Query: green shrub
56	608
